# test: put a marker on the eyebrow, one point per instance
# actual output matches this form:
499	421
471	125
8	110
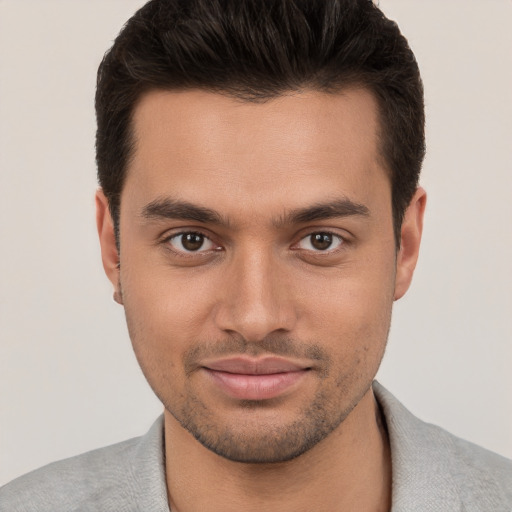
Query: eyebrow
322	211
168	208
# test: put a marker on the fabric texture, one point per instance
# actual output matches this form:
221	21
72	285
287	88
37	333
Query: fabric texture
433	471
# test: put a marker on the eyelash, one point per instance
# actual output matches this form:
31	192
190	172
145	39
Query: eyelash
342	241
334	236
187	254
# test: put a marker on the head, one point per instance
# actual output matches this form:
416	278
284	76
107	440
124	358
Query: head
216	46
259	210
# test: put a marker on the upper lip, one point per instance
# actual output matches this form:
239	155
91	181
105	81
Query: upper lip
260	366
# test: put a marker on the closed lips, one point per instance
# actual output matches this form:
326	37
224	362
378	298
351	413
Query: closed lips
264	366
262	379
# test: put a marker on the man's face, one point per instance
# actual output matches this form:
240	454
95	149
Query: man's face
257	264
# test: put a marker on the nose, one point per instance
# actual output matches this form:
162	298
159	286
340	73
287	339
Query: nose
256	298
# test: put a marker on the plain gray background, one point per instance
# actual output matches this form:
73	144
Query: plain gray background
68	379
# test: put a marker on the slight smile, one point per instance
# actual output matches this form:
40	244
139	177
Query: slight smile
255	379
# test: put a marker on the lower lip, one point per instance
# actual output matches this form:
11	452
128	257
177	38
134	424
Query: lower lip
256	387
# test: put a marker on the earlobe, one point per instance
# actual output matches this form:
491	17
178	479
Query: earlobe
109	252
411	230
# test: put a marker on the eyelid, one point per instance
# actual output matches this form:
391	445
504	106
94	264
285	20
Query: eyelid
170	235
343	241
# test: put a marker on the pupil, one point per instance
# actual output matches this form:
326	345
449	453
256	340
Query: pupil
192	241
321	241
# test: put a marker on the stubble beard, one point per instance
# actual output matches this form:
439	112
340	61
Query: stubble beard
257	441
263	443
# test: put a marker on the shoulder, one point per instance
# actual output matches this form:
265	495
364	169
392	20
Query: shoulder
430	464
106	479
65	484
483	478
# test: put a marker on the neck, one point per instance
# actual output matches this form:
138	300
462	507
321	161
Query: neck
349	470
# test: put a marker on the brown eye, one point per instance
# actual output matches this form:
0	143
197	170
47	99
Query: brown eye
320	241
191	242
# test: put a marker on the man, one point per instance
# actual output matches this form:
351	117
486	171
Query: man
259	213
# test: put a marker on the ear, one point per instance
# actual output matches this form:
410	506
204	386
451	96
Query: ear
412	227
109	253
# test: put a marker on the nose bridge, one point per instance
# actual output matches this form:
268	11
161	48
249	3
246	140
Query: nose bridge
255	302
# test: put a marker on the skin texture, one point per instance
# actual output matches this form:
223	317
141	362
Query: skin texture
256	285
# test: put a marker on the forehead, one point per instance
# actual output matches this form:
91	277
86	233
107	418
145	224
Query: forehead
295	147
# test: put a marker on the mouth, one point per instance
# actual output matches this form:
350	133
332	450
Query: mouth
255	379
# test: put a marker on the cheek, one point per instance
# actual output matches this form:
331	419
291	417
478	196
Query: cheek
352	312
357	340
166	311
159	292
158	335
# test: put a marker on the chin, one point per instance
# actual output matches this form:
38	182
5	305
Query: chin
262	438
